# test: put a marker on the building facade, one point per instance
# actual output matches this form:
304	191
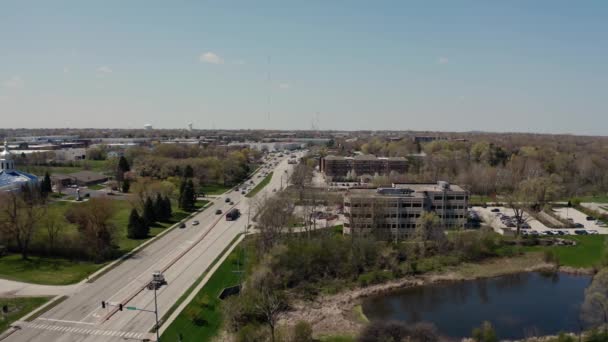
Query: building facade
339	168
393	211
12	179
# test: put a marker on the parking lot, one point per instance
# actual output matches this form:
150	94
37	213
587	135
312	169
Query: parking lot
502	220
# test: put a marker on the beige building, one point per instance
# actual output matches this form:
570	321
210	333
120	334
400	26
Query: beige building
393	211
339	168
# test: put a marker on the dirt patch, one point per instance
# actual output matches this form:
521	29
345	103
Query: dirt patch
333	314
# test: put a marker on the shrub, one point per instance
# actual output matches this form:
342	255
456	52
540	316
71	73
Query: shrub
302	332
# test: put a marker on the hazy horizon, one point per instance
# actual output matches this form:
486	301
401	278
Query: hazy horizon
531	67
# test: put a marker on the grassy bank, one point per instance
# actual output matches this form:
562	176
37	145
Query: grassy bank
49	270
201	319
19	307
214	189
587	252
260	186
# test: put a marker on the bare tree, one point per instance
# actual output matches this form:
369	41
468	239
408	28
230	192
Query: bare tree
300	178
269	305
53	223
594	310
20	215
272	218
93	220
519	203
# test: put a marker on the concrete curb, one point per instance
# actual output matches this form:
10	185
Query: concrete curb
165	325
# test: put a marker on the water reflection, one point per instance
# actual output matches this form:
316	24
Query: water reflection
518	305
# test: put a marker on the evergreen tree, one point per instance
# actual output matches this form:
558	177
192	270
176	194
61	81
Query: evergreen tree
167	211
46	186
182	188
190	195
123	164
137	229
159	213
126	185
188	171
149	217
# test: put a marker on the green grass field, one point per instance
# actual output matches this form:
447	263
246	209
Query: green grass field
260	186
63	271
45	270
92	165
19	307
206	305
480	199
214	189
587	252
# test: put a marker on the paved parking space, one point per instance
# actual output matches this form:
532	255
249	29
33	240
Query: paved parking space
493	219
580	217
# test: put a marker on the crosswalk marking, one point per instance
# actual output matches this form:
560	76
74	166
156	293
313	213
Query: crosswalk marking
84	331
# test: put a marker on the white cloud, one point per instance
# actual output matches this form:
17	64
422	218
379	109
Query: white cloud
210	57
443	60
15	82
104	70
66	69
284	85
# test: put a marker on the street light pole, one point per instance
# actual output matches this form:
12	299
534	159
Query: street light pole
156	314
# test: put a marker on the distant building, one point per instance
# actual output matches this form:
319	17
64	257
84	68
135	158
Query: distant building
86	178
10	178
148	127
70	154
393	211
338	167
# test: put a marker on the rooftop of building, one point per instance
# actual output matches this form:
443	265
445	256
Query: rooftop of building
364	157
405	189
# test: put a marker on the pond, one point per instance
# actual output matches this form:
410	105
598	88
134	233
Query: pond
518	305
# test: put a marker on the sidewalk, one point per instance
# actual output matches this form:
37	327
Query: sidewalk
9	288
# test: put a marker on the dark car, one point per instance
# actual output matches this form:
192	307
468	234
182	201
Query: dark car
580	232
590	218
243	192
495	210
227	200
218	212
182	225
578	225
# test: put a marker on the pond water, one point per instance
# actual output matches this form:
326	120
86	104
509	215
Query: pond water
518	305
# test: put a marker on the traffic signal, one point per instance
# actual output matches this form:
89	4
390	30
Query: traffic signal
103	304
120	307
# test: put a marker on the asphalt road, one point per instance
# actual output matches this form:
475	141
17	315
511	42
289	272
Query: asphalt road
183	254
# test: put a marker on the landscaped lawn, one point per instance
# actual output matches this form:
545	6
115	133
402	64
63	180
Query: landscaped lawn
206	305
595	199
214	189
587	252
45	270
63	271
260	186
19	307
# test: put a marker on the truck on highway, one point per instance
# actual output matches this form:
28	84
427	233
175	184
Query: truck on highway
233	215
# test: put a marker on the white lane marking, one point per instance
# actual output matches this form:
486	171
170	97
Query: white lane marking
64	321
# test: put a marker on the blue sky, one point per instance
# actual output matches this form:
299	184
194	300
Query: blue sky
531	66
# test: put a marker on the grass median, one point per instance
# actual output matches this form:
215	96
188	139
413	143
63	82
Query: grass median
260	186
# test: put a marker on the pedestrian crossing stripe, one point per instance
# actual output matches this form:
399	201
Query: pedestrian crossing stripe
83	331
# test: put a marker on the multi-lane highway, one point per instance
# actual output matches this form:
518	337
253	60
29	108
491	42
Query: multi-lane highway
182	254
